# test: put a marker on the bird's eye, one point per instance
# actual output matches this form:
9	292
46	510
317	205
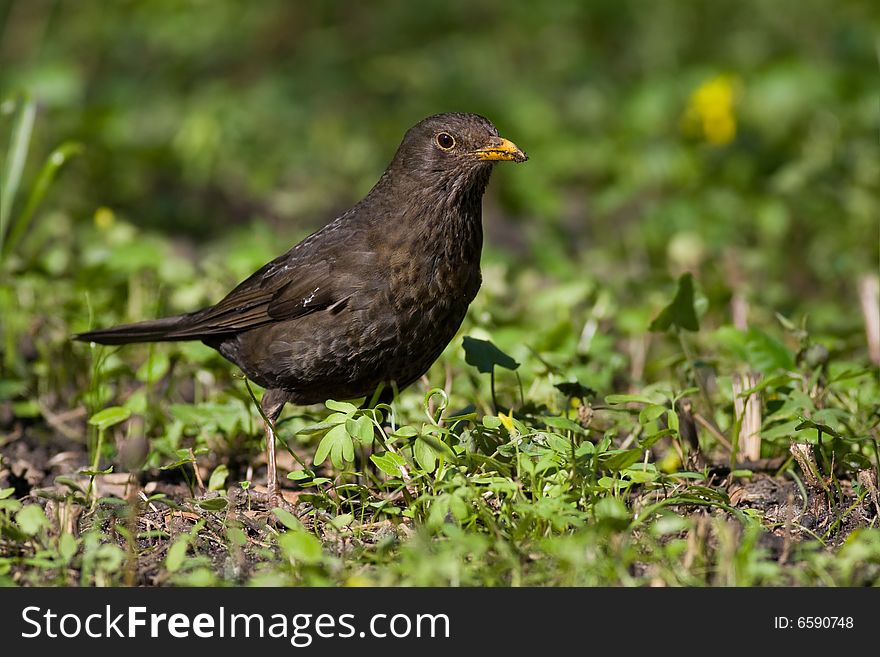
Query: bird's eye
445	141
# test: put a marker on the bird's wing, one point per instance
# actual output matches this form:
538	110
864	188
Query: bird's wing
274	296
298	283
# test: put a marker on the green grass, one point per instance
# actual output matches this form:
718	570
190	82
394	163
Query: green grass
696	210
521	473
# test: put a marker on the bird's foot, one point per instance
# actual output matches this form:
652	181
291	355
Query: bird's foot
276	500
267	499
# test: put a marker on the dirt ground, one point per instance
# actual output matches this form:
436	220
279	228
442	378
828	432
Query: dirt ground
43	469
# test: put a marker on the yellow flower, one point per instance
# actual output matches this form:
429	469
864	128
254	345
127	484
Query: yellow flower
507	421
710	113
104	218
359	581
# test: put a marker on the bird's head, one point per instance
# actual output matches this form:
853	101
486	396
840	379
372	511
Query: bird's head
454	147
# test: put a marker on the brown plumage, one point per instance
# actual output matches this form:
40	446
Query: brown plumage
371	299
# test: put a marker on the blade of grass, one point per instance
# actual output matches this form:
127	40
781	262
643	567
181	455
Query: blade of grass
47	174
15	160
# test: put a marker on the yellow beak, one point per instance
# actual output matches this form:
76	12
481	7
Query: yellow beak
501	149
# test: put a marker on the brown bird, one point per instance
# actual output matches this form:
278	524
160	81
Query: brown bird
369	301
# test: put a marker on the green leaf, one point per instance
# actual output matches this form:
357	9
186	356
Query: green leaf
155	367
669	524
559	422
70	483
680	313
11	506
611	483
176	464
67	546
388	462
236	536
611	511
342	520
226	417
109	557
458	507
10	389
649	440
288	519
672	420
176	555
425	455
407	431
558	443
525	464
584	449
336	443
640	476
856	461
766	354
761	351
31	519
109	417
806	423
708	493
317	481
484	355
784	430
361	429
28	408
617	460
342	407
213	504
6	492
651	413
615	400
188	414
299	475
320	427
300	546
218	478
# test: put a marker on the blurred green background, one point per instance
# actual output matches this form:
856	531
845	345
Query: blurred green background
737	140
176	146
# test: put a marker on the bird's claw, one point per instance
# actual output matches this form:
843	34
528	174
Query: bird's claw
276	500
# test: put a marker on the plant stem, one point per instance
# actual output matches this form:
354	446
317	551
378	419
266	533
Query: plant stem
701	384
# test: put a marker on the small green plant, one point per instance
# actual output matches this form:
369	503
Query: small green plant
13	226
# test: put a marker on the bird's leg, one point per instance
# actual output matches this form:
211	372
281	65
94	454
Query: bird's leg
272	473
272	403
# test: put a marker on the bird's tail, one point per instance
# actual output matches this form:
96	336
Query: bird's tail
154	330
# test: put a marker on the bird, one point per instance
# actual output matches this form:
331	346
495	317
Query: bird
367	303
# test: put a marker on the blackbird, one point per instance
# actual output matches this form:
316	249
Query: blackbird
369	301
